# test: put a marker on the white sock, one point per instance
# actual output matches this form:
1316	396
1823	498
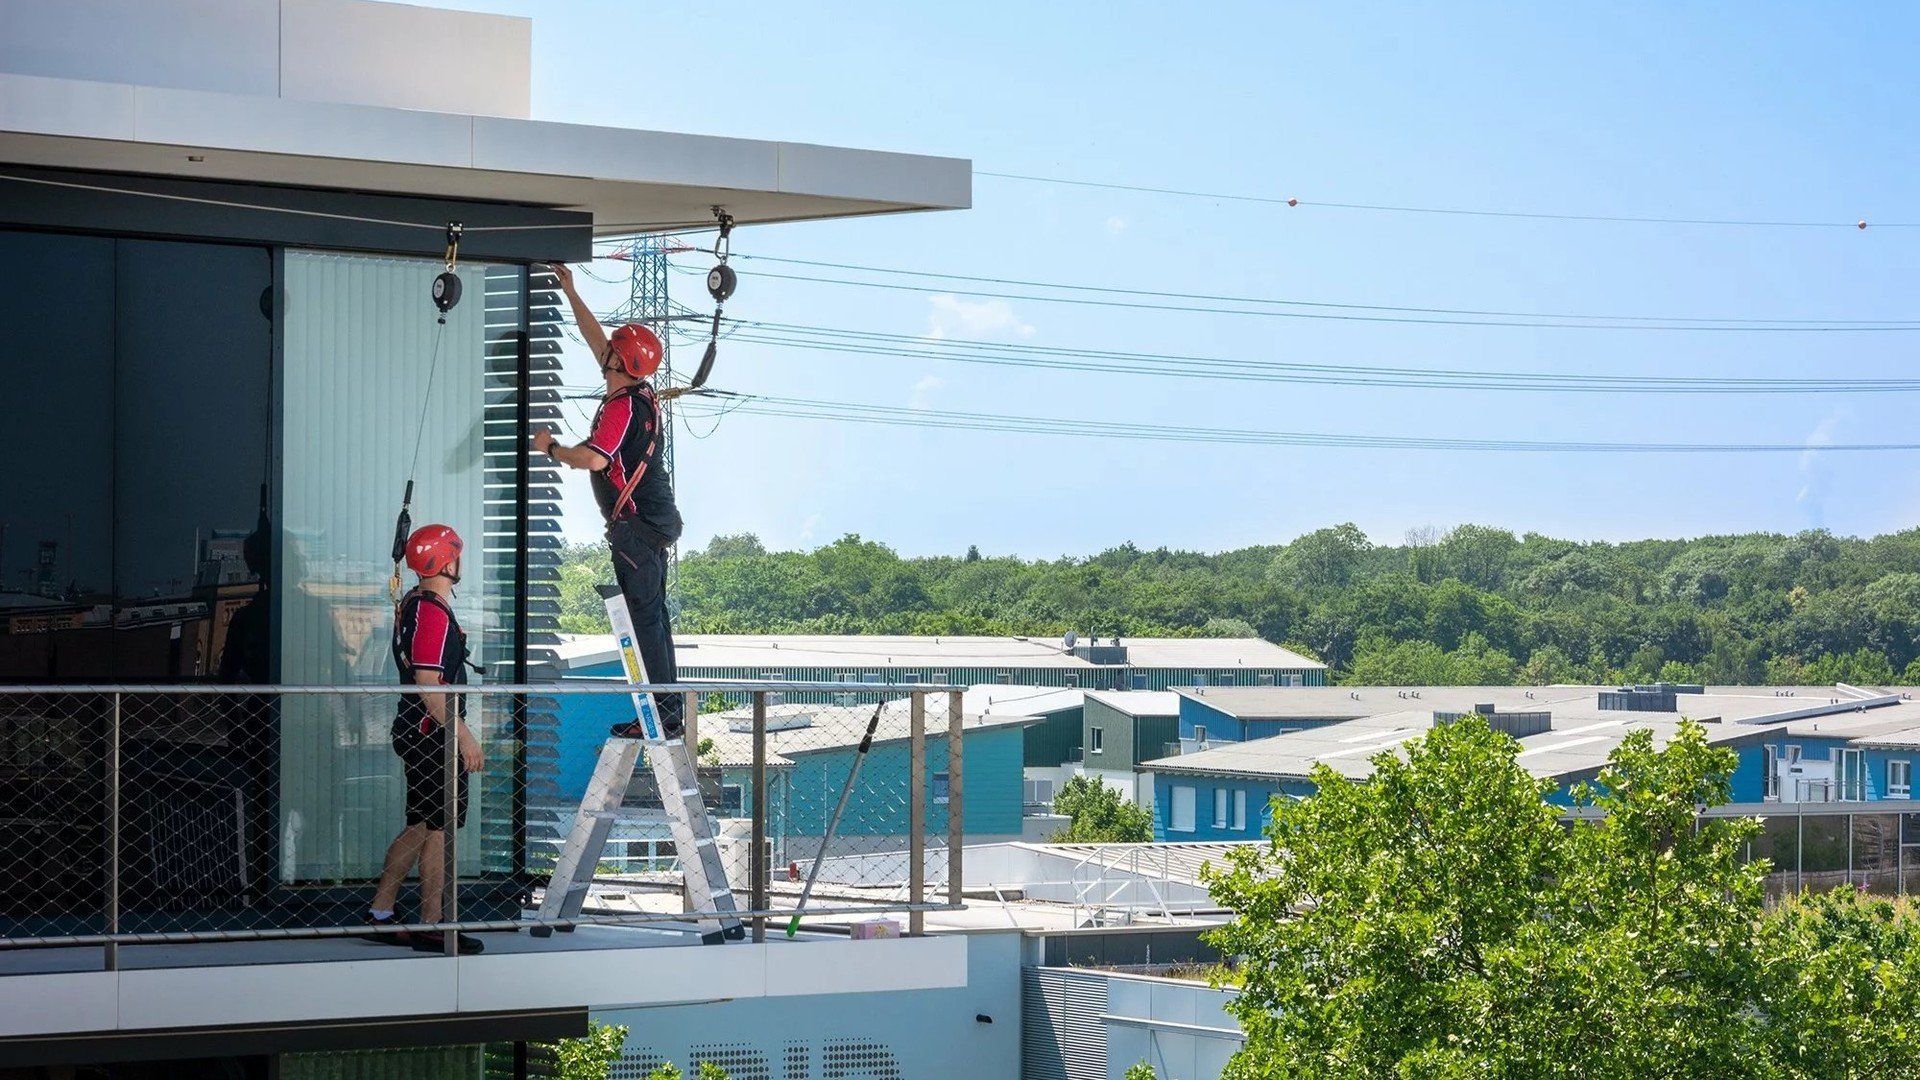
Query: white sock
379	913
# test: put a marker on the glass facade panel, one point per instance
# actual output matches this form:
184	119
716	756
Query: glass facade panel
1825	851
1779	844
1876	853
369	374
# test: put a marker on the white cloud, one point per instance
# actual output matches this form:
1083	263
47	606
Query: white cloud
954	317
922	396
1812	476
1116	226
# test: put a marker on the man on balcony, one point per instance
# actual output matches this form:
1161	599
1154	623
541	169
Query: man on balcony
429	649
631	484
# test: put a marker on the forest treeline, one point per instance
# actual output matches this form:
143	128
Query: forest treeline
1474	605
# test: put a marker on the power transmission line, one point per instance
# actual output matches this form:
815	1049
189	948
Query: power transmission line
1294	201
1897	324
1321	315
1002	354
867	413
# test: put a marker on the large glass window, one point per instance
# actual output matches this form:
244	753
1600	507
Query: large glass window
370	373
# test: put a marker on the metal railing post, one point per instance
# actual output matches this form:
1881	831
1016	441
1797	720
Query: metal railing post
757	860
456	708
112	957
917	815
956	789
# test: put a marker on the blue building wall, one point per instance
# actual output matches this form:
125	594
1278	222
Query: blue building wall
991	775
1749	778
991	779
1259	796
1225	727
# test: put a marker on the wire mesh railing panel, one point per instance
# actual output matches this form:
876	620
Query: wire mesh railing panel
164	814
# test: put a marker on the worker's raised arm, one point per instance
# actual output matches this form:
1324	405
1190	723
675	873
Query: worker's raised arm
590	328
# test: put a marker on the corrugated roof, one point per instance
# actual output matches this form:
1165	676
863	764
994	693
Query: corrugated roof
1582	737
799	729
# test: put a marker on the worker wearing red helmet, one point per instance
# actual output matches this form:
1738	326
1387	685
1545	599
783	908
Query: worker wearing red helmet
631	484
429	649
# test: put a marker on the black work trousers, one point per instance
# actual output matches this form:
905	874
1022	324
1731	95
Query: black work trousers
640	568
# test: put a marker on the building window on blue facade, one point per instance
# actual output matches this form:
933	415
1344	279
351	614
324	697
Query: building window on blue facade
1219	808
1899	779
1180	815
1240	811
1095	741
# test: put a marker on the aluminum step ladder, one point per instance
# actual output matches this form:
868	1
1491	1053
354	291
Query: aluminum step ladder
673	768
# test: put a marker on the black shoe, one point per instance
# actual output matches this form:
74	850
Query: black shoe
435	941
390	937
632	730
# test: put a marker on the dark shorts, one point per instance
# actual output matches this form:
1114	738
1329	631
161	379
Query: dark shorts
423	760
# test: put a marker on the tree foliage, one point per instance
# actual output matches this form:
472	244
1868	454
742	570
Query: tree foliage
1099	815
1474	604
591	1056
1440	920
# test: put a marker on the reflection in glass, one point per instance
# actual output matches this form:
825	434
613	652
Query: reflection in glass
1876	853
362	345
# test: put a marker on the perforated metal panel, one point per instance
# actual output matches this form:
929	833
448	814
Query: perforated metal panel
1061	1034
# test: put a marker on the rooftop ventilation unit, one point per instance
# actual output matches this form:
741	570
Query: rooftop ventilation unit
1517	724
1639	699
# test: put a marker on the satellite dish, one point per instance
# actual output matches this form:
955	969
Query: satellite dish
1072	639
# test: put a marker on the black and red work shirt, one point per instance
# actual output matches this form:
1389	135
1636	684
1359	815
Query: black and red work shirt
626	431
426	637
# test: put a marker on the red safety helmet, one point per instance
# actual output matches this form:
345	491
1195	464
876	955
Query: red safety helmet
433	549
637	348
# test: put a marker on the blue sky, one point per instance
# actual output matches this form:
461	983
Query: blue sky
1727	110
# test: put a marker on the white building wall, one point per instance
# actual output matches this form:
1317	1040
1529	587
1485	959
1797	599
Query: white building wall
1182	1029
354	52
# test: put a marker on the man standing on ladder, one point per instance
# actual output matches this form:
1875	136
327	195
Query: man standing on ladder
632	486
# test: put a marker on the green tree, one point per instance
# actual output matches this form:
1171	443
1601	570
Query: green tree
1099	815
1437	920
1839	986
591	1056
1323	559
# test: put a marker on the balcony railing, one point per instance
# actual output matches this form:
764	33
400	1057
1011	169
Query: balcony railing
134	814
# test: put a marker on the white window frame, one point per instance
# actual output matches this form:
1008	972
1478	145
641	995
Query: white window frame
1220	803
1903	789
1180	800
1096	740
